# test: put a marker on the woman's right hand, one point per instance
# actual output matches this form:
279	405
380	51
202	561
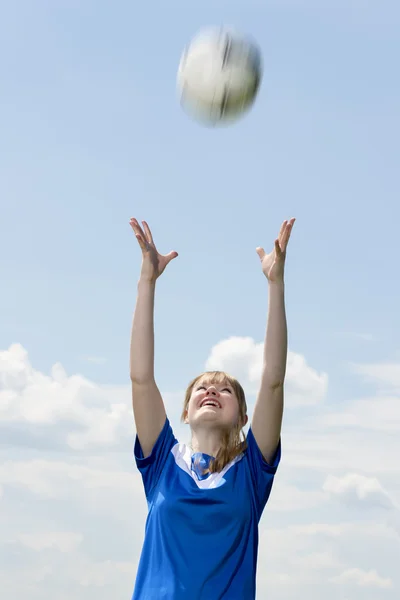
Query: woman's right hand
153	263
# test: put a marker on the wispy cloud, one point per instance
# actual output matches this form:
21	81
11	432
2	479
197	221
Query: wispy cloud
354	487
363	578
384	374
365	337
96	360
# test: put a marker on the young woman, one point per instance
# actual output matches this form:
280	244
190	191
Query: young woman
205	501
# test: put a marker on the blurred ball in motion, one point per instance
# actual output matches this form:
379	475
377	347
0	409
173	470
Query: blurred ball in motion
219	76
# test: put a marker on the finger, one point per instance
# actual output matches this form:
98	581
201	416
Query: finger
278	249
136	227
171	256
282	230
286	234
149	236
260	252
142	242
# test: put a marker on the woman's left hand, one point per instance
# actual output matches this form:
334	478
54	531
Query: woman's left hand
273	264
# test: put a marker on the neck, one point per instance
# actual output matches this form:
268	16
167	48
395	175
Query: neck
207	442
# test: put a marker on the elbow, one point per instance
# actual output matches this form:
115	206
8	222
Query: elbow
273	379
278	384
273	383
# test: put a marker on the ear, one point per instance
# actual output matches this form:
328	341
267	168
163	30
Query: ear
246	418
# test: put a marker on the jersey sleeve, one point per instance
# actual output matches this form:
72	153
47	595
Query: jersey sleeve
152	466
262	473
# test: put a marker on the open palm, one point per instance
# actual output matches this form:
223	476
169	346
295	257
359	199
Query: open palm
153	263
273	264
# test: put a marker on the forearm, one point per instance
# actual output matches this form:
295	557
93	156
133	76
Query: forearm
275	346
142	337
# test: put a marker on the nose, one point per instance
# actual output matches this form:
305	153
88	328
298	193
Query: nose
213	390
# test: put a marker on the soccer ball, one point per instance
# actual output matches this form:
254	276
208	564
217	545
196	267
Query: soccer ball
219	76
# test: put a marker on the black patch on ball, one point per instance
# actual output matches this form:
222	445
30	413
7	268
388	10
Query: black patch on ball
224	101
227	51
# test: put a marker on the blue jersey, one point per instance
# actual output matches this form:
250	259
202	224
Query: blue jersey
201	535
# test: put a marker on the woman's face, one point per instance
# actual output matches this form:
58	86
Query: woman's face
215	404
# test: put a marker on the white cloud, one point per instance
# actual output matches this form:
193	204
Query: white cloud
63	541
310	560
304	386
91	415
102	573
344	529
394	522
355	487
55	478
73	521
377	413
383	374
363	578
290	498
243	358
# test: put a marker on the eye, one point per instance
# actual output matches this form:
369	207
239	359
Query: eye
227	389
201	387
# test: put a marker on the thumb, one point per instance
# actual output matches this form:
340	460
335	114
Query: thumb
171	256
260	252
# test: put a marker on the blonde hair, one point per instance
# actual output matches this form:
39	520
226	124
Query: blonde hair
232	443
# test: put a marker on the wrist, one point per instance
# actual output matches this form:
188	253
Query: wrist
146	283
278	284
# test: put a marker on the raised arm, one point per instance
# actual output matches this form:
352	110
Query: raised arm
148	406
268	411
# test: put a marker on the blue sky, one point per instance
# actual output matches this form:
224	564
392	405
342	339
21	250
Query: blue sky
92	134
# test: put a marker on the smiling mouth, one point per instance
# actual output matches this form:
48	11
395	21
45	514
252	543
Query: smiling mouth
213	403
